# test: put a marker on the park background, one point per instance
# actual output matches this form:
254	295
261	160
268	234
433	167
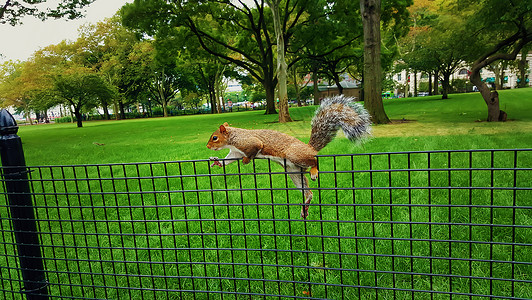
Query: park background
128	207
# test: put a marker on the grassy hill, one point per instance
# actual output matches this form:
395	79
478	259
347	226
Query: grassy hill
431	124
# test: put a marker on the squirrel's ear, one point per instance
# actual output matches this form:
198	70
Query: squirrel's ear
222	129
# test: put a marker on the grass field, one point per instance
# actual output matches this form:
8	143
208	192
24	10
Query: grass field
158	227
436	125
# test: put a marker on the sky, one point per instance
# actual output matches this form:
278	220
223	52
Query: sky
21	41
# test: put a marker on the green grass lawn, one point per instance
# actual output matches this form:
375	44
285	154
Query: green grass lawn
243	222
436	125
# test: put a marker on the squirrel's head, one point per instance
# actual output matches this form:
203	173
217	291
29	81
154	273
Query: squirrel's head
219	138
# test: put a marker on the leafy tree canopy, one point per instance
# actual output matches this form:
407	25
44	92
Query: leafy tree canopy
12	11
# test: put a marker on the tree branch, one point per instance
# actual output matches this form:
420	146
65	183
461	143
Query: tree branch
4	9
200	34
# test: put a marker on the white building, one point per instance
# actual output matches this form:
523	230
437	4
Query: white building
510	74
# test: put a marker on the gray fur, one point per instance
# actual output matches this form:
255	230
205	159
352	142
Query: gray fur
335	113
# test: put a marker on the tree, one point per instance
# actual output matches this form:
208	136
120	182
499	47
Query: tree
393	15
282	68
414	48
499	30
107	47
329	44
239	32
371	12
81	90
200	72
12	11
15	90
26	85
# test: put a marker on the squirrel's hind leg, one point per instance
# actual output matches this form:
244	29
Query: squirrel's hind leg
306	161
314	173
301	181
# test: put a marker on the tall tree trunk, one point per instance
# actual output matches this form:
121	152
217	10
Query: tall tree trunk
284	115
371	15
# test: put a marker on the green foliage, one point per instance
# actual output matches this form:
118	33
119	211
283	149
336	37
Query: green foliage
12	12
461	86
82	91
67	119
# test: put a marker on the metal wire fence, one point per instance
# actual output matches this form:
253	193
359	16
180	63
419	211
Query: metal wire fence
409	225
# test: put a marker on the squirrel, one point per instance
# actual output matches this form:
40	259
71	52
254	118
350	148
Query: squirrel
292	154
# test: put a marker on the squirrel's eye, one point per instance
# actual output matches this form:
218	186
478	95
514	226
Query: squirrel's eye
214	138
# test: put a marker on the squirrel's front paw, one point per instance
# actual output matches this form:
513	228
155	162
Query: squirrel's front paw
215	162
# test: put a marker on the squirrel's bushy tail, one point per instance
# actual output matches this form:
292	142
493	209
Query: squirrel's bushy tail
335	113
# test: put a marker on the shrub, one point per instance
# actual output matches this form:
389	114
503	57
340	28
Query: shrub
66	119
461	86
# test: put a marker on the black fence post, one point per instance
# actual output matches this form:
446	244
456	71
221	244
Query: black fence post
22	212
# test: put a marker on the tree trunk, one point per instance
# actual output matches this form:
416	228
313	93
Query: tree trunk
46	120
446	86
105	110
501	79
116	110
218	90
79	117
338	85
28	117
415	83
315	85
370	11
270	96
430	83
491	98
284	115
165	107
212	98
436	82
522	68
497	69
122	110
296	87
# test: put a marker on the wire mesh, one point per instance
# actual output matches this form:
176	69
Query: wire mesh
405	225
